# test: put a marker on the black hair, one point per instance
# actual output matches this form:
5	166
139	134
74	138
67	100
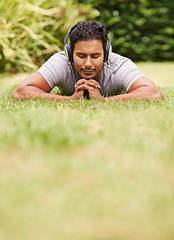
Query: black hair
88	31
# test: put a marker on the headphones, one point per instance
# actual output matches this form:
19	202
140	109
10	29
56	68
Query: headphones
69	52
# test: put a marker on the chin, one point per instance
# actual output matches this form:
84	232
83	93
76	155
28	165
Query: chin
87	77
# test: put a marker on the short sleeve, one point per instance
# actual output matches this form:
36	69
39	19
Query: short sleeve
126	74
54	69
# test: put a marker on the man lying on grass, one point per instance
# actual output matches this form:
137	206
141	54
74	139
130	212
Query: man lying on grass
88	68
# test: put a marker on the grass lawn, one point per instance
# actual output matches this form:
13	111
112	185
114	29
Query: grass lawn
87	170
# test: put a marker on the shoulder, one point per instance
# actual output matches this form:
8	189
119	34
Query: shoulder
56	64
56	69
118	64
116	60
121	71
59	57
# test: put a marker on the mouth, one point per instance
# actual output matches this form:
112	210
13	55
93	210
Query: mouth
88	71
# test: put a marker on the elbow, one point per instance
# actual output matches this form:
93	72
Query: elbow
13	95
158	95
18	93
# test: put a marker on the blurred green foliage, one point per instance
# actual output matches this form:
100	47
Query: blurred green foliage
32	30
142	30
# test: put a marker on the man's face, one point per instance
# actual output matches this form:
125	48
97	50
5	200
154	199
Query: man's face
88	58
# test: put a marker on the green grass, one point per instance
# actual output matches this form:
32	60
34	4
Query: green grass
87	170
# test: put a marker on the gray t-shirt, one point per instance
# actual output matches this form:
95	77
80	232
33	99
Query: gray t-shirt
119	73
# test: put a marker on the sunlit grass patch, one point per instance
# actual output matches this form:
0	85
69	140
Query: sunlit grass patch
86	169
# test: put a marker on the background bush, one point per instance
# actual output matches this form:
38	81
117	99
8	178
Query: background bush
32	30
142	30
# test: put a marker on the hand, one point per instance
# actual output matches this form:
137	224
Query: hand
94	93
91	86
77	94
91	83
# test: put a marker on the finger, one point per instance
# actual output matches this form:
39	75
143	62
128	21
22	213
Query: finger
81	85
90	82
94	83
87	87
84	87
80	82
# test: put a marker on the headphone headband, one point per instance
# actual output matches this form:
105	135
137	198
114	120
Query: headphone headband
67	35
69	52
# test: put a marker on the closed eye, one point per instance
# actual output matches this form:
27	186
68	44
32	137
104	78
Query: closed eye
81	55
97	55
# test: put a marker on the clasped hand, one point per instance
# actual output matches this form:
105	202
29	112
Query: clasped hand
91	86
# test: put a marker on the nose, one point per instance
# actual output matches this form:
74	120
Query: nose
88	62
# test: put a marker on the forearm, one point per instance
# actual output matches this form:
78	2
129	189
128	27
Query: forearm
141	93
32	92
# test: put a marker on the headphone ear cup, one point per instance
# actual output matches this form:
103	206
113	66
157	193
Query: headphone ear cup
68	52
107	52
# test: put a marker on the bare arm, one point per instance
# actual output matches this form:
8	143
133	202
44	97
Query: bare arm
142	88
35	86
